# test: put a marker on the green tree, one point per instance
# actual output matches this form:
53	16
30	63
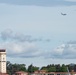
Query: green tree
44	68
32	68
63	68
57	67
52	69
12	68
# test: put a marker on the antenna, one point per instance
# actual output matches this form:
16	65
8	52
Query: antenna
68	71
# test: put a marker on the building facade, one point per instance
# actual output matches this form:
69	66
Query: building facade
21	73
44	72
3	61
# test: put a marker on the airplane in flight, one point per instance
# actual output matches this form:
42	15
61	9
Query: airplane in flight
63	14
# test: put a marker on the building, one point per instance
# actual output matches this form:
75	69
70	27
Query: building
3	62
43	72
21	73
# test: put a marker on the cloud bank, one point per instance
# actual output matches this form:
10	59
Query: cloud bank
24	46
65	51
20	45
40	2
10	35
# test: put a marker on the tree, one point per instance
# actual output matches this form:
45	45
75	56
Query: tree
44	68
63	68
57	67
12	68
32	68
9	67
52	69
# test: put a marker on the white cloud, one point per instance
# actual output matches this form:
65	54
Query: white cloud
65	51
19	49
19	45
59	50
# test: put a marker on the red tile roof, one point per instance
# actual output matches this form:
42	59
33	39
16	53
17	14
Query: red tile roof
21	72
3	74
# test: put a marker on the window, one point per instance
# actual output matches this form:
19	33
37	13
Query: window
58	74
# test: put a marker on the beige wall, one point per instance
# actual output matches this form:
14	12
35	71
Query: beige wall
3	62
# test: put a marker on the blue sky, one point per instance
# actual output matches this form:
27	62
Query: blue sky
34	31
